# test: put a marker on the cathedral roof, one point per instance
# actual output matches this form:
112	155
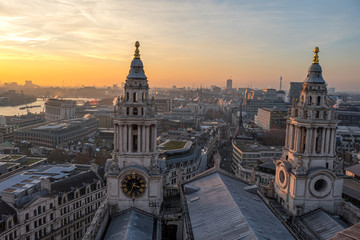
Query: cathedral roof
315	72
132	224
321	224
220	207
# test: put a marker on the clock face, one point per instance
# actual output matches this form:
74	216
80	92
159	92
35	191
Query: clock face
133	185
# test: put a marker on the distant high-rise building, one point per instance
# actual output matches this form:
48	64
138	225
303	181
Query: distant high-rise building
331	90
294	92
28	83
57	109
229	84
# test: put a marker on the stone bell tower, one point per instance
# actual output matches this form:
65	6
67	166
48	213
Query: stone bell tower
134	177
308	175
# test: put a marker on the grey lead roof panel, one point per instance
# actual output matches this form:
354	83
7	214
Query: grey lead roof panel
131	225
322	224
222	209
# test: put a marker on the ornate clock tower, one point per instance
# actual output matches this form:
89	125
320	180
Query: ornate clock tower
134	178
308	175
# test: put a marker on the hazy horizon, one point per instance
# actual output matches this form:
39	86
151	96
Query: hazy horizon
187	43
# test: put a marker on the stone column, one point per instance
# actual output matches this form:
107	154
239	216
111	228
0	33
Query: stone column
298	138
116	136
130	138
155	137
120	144
291	143
303	139
307	141
147	138
151	137
138	138
323	141
332	140
327	141
314	141
143	135
287	136
124	143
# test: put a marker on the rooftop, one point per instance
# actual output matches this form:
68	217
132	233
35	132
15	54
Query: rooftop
172	145
32	177
321	225
252	146
220	207
132	224
355	169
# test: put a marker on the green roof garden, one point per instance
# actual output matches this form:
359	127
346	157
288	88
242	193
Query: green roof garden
30	161
172	145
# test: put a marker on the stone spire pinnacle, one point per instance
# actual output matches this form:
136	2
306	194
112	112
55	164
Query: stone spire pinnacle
316	56
137	52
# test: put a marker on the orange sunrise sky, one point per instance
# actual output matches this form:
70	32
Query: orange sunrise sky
183	43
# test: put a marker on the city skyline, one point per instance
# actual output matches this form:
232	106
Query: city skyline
184	43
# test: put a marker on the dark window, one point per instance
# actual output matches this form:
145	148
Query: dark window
320	185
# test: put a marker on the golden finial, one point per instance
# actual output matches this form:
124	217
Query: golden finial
316	57
137	52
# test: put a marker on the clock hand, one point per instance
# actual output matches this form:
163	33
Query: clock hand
132	187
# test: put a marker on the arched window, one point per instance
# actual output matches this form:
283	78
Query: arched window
27	216
39	209
127	111
127	96
317	114
310	100
135	111
305	114
142	111
318	100
143	96
35	212
135	97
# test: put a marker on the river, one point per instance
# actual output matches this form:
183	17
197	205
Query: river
15	110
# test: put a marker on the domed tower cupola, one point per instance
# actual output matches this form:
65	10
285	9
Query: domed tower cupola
308	174
136	67
313	97
136	102
315	71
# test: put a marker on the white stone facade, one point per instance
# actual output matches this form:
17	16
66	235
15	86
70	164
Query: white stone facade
308	175
57	109
56	215
135	146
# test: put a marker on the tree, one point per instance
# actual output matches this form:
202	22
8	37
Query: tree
58	156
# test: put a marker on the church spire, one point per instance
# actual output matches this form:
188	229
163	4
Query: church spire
316	56
137	52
